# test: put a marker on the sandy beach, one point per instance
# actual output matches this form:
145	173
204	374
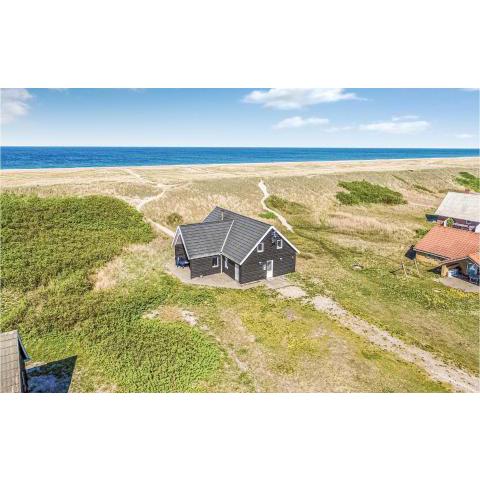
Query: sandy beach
172	174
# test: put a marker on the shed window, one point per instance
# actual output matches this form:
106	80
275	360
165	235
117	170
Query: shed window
226	263
279	244
215	262
260	247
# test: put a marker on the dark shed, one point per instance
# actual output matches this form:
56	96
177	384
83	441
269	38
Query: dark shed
13	378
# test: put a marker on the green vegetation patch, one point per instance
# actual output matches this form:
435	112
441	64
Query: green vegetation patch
285	206
50	248
45	238
365	192
267	215
468	180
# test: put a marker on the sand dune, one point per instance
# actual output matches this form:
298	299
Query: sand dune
172	174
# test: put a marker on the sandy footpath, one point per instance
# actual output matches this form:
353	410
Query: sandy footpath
172	174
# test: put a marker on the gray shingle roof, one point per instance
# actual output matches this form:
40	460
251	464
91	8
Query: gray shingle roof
223	232
243	236
11	351
204	239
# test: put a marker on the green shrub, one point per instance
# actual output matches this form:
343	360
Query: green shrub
50	247
470	181
366	192
422	231
174	219
268	215
285	206
43	238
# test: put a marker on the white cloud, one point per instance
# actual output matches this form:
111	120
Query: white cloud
295	98
298	122
396	126
14	103
339	129
464	135
405	117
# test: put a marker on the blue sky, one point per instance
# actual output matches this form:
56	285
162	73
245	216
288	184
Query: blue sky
329	117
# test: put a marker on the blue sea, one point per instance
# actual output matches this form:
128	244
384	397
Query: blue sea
67	157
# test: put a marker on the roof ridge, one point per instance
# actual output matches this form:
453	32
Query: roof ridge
241	215
226	237
205	223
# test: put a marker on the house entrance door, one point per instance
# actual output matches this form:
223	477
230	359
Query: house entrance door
269	268
237	273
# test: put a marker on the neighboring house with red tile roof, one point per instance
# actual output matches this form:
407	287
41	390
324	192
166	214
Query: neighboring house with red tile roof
445	243
456	249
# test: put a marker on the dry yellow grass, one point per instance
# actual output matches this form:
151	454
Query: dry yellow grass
195	200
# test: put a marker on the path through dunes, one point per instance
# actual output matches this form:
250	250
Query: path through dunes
282	219
460	380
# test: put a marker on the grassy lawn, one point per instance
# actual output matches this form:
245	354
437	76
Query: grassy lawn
96	290
354	254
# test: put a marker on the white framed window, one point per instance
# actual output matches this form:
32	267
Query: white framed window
226	263
279	244
260	247
215	262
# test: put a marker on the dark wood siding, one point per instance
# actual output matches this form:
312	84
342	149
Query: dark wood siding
284	259
230	271
180	250
201	267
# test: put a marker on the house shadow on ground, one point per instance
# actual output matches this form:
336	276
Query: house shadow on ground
410	253
53	377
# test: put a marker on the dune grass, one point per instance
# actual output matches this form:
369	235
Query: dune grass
472	182
422	188
365	192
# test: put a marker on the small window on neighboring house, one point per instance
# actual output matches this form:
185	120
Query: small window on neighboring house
279	244
226	263
260	247
215	262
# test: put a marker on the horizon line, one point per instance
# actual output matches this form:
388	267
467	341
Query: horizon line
270	147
